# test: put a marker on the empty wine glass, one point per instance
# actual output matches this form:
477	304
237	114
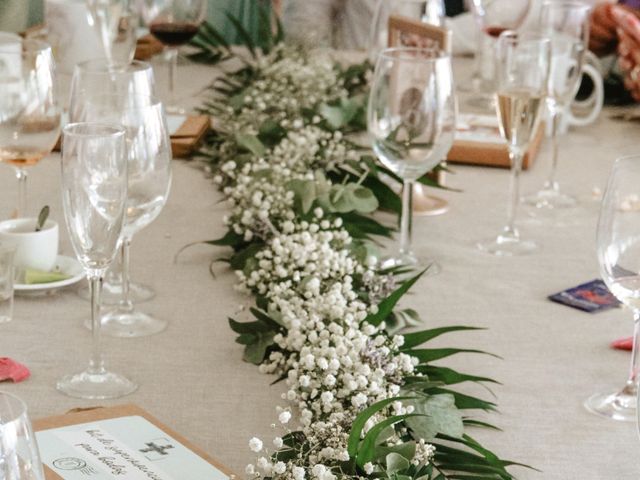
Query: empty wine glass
492	17
618	248
94	194
174	23
115	22
95	78
411	120
29	113
149	179
523	62
19	457
566	23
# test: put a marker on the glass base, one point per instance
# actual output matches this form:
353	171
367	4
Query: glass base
96	386
550	199
429	205
507	246
112	293
619	405
133	324
411	261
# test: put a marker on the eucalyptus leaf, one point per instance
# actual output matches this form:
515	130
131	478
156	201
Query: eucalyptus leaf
440	415
250	143
396	463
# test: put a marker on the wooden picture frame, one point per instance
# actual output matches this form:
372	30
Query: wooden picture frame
406	32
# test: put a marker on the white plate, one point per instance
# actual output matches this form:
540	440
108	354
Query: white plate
67	265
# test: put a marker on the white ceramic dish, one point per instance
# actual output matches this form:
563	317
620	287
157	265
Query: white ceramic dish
67	265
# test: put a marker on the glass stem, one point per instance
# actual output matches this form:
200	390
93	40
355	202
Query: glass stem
21	175
631	388
173	72
405	219
125	302
96	363
516	167
556	118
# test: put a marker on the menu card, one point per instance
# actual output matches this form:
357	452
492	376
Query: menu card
123	443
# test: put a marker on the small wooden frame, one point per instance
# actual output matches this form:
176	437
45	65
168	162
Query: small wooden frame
81	416
407	32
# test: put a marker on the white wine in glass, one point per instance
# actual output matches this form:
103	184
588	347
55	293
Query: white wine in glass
523	63
29	112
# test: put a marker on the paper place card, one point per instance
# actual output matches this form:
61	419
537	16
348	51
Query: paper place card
125	448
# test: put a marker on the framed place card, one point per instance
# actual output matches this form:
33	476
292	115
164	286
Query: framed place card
123	442
407	32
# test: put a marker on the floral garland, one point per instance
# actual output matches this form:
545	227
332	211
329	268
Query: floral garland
369	403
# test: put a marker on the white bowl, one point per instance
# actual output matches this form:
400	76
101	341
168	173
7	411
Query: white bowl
36	250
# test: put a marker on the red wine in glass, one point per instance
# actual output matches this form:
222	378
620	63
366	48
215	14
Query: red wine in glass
173	34
494	31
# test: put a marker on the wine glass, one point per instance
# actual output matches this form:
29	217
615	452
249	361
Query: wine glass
94	194
174	23
492	17
566	23
95	78
19	457
149	179
411	120
523	65
618	248
29	113
115	22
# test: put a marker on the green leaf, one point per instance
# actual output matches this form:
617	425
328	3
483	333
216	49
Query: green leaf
440	415
249	327
464	402
396	463
305	194
246	338
244	35
239	259
449	376
386	306
362	418
415	339
367	448
230	239
271	132
250	143
406	449
255	352
426	355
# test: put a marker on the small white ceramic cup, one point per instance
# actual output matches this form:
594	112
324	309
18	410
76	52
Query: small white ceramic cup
35	250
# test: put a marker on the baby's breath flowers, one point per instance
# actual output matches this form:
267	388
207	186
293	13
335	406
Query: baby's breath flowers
282	167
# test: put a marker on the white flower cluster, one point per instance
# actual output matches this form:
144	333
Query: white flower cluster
258	192
335	363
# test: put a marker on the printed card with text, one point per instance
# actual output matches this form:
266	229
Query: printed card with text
126	448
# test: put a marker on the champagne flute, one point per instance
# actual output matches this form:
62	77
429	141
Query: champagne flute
19	457
95	78
618	248
174	23
29	113
149	179
492	17
523	62
411	120
94	194
566	23
115	22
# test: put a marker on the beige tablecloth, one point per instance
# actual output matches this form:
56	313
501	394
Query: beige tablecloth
191	376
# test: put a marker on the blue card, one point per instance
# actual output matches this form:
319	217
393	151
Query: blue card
593	296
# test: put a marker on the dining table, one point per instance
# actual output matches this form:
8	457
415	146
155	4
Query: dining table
547	358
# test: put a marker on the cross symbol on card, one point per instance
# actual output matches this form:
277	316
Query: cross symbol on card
152	447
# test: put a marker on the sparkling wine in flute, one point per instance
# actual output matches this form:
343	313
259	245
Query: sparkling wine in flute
519	113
